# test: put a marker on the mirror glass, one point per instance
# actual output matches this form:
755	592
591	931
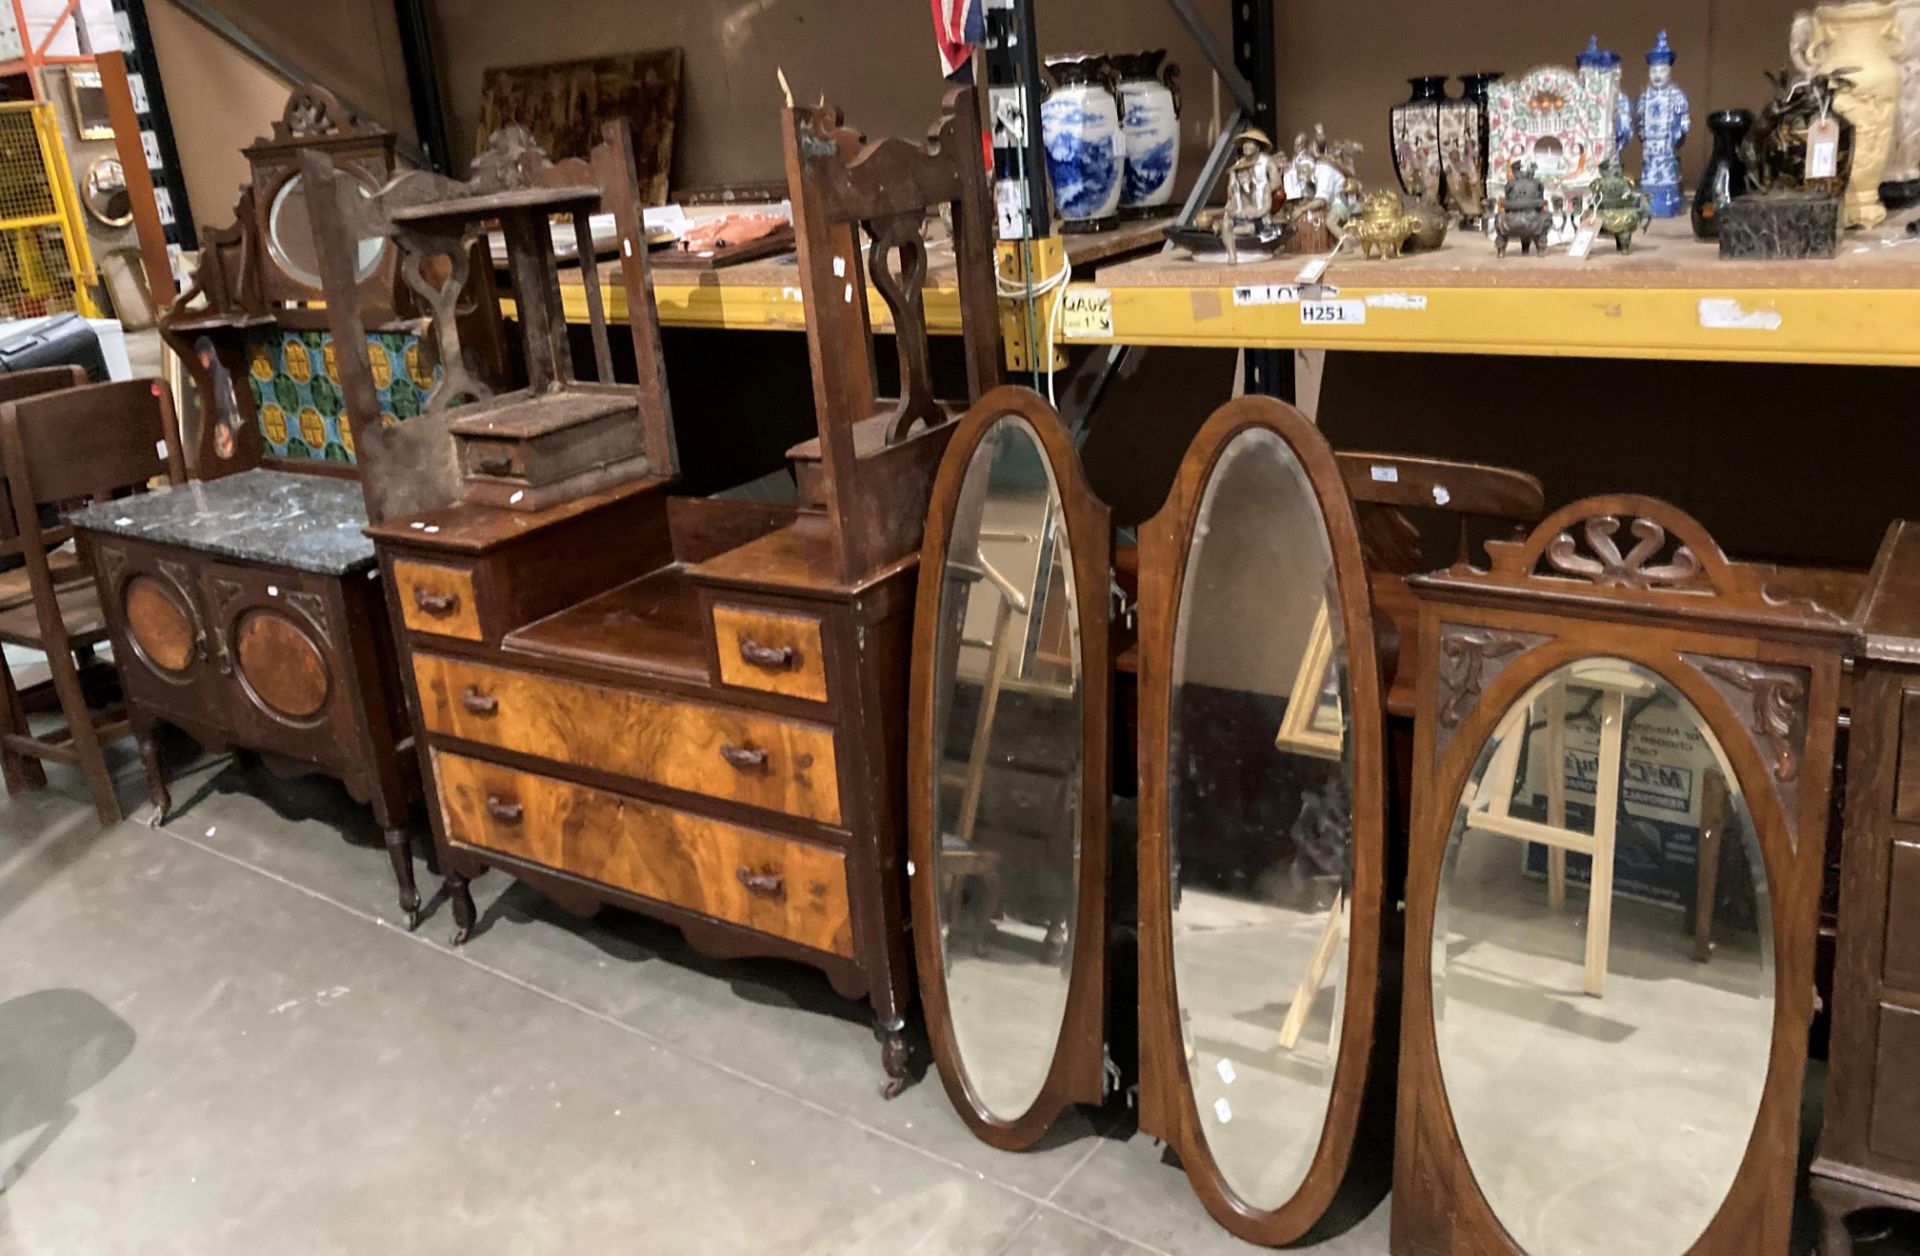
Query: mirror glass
1259	783
1007	767
290	235
1603	966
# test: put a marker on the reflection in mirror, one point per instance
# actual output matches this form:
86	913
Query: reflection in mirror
1007	762
1603	966
1260	788
290	235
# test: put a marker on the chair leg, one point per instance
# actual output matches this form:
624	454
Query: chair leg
85	738
21	772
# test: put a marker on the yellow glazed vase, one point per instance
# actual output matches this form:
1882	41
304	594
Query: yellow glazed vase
1858	39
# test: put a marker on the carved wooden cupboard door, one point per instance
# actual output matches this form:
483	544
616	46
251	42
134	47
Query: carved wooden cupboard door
273	636
1262	821
1009	775
1620	809
169	647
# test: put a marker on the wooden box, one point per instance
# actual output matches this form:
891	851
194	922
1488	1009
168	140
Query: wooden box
532	452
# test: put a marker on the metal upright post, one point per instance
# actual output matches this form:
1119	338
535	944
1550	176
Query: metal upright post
1269	372
1029	252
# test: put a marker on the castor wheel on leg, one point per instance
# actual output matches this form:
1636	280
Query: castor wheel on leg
461	900
894	1057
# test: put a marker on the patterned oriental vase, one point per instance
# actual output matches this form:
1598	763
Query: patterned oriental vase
1463	147
1150	127
1415	129
1086	150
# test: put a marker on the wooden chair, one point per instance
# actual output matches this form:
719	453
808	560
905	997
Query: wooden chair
14	588
79	444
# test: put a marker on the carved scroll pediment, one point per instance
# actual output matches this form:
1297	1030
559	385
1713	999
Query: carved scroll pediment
1601	561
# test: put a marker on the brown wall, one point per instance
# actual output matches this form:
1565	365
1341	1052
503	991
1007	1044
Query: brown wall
1341	61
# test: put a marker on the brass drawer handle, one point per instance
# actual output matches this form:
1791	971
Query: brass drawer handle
439	605
771	657
478	703
495	464
744	757
504	810
762	884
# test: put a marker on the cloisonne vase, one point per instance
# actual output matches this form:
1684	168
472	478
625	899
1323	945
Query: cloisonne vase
1464	141
1150	127
1726	174
1415	124
1086	150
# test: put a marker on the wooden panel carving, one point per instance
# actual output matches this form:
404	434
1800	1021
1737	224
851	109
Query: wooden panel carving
759	760
788	889
160	626
436	599
771	652
1773	701
1896	1113
282	667
1469	659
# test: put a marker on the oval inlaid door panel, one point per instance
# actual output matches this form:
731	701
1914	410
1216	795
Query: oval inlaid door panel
1594	1067
161	628
1261	820
1009	773
281	665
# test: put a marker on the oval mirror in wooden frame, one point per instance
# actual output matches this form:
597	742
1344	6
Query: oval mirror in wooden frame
1262	821
1008	774
1562	927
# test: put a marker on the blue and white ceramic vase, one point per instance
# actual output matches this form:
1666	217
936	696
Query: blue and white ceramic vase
1150	126
1086	151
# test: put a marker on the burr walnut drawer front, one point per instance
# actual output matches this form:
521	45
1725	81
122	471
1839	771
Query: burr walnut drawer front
772	885
742	756
772	651
437	599
1906	793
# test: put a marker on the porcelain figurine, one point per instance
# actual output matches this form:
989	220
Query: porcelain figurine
1775	151
1623	209
1856	40
1252	183
1414	124
1596	62
1382	226
1464	139
1150	126
1524	214
1662	120
1086	151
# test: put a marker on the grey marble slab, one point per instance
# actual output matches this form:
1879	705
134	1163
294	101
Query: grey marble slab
307	522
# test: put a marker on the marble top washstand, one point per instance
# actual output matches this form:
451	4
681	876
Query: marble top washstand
306	522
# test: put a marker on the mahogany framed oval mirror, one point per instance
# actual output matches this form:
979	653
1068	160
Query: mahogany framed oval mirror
1262	821
1009	771
1620	810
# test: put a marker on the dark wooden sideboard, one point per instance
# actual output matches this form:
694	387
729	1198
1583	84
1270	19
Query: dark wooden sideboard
1870	1145
247	611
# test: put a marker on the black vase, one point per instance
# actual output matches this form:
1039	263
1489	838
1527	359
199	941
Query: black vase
1726	174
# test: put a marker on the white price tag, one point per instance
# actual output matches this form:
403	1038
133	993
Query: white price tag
1311	272
160	450
1087	314
1583	243
1333	313
1823	148
1010	209
1385	475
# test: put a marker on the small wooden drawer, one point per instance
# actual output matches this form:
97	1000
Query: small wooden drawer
772	651
772	885
438	600
1906	788
742	756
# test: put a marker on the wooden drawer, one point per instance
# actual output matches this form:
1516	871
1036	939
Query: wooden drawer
742	756
772	885
437	599
1900	966
1906	788
772	651
1896	1086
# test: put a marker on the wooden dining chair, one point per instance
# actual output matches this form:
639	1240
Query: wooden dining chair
62	448
14	590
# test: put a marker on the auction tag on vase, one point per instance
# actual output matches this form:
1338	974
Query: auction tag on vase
1311	272
1333	313
1823	148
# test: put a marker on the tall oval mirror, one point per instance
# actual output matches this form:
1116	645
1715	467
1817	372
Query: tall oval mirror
1260	834
1603	984
1008	782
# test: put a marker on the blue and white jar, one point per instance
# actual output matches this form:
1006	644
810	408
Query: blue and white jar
1086	152
1150	125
